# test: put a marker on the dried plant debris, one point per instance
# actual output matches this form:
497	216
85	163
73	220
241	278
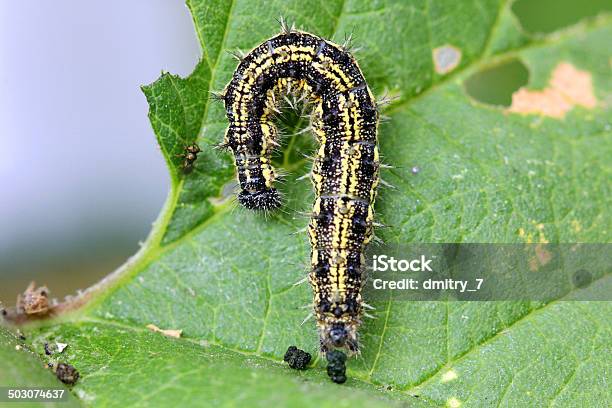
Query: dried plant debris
176	333
54	348
67	373
296	358
48	350
336	366
34	301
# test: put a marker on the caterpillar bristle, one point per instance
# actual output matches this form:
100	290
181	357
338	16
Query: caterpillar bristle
310	316
303	280
308	156
367	306
305	130
290	103
301	99
347	44
386	100
222	146
285	28
282	211
386	184
217	96
237	54
282	172
300	231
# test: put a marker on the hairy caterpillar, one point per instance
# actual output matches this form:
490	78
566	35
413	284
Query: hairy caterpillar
345	171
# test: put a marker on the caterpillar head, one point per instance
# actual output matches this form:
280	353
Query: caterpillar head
338	329
340	335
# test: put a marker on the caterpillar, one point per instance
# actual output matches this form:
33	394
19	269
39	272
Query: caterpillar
345	171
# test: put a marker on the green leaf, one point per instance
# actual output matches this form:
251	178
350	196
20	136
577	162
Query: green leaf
21	368
225	276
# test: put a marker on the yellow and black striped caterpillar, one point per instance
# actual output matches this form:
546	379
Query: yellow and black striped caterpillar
345	171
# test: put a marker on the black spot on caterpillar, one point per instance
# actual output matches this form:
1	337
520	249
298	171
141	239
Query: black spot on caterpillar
344	174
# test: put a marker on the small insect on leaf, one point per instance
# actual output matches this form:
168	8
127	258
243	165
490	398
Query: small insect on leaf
189	156
67	373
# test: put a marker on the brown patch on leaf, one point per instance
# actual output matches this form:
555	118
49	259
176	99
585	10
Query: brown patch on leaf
166	332
575	84
446	58
543	254
567	87
547	102
542	257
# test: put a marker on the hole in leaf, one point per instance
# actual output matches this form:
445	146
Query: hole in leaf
495	85
546	16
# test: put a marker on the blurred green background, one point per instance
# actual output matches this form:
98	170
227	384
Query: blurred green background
81	175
